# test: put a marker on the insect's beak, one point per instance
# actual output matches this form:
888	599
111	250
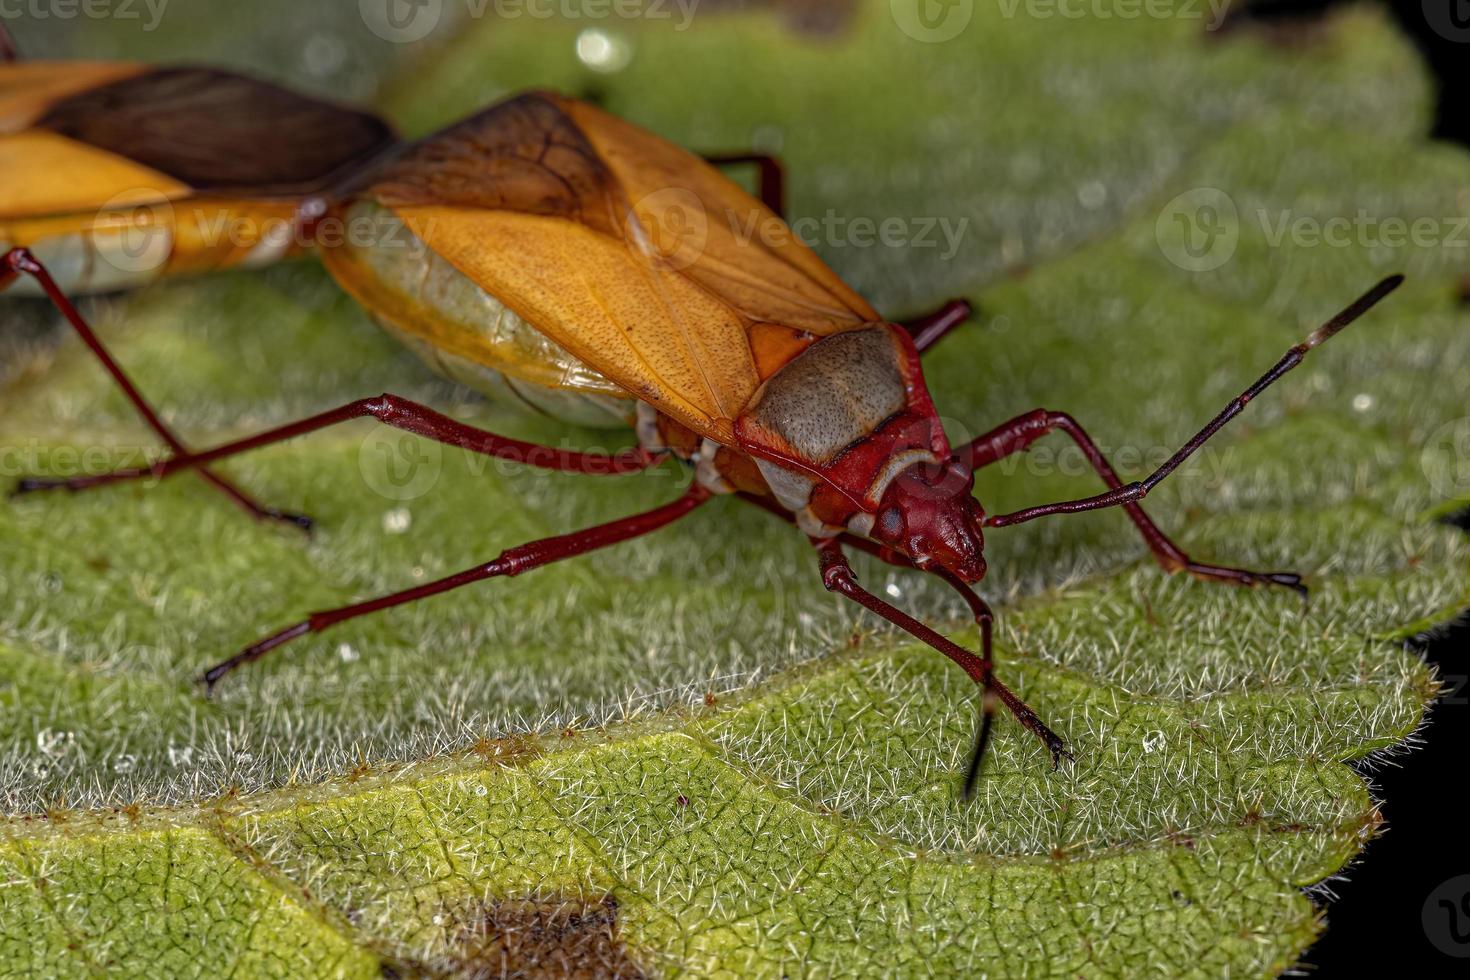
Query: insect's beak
963	553
934	520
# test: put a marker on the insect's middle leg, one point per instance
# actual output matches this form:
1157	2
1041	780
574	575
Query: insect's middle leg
1020	432
513	561
19	261
931	328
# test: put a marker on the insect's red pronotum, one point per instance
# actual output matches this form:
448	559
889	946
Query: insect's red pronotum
540	271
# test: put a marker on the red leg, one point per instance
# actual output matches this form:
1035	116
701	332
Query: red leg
391	410
514	561
20	260
772	176
837	576
1020	432
931	328
985	619
1136	491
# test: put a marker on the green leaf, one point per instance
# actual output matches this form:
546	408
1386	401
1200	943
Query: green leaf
530	771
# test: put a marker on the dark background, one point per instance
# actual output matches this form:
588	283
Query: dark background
1379	918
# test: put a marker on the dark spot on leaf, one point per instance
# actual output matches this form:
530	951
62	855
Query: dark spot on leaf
529	938
1285	23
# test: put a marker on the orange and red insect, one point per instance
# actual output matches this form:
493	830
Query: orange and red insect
537	273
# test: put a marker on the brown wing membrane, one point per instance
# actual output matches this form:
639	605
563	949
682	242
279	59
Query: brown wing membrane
634	255
220	132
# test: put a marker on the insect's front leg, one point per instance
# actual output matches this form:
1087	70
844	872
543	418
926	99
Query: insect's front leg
20	261
1020	432
837	576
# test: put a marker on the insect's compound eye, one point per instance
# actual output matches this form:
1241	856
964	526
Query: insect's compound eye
890	523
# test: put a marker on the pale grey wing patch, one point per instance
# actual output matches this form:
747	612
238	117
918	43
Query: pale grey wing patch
584	408
833	394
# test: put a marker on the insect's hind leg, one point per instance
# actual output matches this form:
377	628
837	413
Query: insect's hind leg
400	413
514	561
1020	432
19	261
772	176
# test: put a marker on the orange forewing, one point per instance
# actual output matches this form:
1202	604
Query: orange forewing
47	174
634	255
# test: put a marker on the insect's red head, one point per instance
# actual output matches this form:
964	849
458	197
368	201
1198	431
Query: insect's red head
928	514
